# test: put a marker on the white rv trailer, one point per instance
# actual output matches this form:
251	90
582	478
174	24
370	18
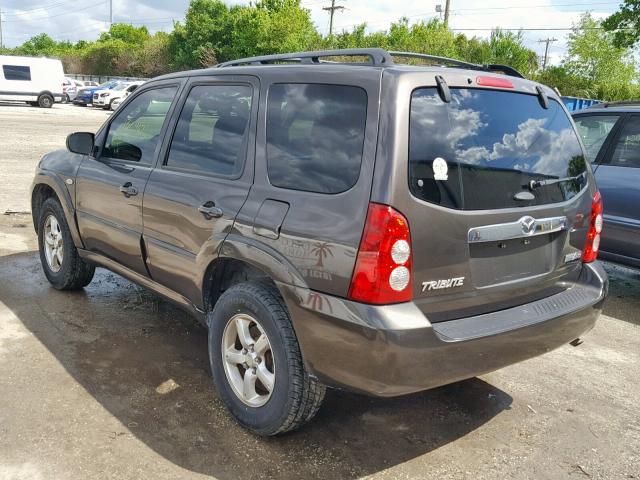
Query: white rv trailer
35	80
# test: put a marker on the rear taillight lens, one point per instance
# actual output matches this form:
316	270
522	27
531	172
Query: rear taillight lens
592	245
382	274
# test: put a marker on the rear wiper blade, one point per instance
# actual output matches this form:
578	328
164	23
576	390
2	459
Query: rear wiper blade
533	184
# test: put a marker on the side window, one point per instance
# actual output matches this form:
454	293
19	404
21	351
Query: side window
594	131
211	134
135	132
315	136
627	151
16	72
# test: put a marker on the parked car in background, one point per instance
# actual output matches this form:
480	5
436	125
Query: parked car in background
37	81
70	89
105	98
374	226
85	94
611	135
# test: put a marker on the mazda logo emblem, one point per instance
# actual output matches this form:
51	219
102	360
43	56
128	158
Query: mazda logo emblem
528	225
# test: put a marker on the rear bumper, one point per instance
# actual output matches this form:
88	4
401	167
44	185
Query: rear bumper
395	350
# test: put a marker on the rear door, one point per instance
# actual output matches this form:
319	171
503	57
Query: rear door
110	187
203	178
476	178
618	178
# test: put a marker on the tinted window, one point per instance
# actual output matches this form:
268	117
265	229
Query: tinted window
16	72
135	132
211	135
627	152
315	136
594	131
488	145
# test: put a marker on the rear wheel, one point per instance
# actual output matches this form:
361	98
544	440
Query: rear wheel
62	265
45	101
256	362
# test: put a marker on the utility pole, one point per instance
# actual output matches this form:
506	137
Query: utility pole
110	14
332	9
546	41
1	42
446	12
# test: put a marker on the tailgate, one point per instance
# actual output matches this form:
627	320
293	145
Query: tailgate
499	198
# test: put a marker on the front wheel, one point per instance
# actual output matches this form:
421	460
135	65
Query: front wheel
62	265
256	362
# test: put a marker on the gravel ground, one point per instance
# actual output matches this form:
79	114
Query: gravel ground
112	382
27	133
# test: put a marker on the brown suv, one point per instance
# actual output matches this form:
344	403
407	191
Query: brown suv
373	226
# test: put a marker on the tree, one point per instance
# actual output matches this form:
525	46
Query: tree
592	55
625	24
126	33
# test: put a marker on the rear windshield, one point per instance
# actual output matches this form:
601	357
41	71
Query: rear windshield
485	146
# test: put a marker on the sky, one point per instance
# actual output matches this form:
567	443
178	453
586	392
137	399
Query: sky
85	19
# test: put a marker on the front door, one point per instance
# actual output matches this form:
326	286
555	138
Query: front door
201	181
110	187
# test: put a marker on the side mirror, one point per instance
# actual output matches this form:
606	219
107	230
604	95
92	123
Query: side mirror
81	143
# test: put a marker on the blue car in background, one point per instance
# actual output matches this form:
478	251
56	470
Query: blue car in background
611	135
85	95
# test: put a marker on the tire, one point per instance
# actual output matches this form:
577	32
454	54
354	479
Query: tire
45	101
295	397
72	273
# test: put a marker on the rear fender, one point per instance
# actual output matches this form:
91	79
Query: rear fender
264	258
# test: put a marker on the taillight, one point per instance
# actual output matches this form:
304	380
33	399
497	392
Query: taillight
382	274
592	245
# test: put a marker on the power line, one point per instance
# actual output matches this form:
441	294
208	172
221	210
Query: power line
63	13
332	10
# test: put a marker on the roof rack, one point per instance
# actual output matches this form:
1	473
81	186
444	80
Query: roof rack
377	57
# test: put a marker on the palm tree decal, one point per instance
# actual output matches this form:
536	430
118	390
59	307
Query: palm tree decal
318	302
322	251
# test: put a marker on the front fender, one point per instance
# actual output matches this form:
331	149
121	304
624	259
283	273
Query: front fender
54	170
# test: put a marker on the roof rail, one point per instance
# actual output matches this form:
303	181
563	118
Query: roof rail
377	57
494	67
619	103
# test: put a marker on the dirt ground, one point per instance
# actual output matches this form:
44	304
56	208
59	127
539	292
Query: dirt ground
113	383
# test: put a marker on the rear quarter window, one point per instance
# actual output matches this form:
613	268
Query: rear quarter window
315	136
487	145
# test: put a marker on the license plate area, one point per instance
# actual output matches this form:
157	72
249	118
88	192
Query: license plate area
497	262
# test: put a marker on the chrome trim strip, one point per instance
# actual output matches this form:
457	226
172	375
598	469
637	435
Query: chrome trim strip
525	227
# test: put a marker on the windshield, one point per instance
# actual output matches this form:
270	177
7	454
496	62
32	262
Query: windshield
485	146
122	86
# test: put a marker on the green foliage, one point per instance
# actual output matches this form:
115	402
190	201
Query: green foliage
625	24
598	63
594	66
127	33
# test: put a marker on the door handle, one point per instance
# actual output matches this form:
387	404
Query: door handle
128	190
209	210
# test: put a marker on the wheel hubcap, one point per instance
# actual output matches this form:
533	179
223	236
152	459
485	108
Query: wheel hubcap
53	244
248	360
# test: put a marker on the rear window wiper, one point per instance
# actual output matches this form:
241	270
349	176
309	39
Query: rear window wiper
533	184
